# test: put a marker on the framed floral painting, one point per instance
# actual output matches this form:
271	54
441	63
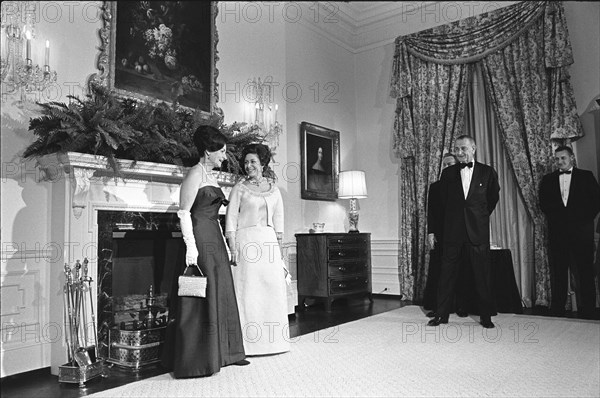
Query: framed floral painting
161	50
319	162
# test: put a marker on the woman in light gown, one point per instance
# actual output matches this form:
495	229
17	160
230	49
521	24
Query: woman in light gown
204	334
254	230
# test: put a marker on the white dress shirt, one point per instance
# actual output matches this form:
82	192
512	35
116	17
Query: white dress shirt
466	173
565	184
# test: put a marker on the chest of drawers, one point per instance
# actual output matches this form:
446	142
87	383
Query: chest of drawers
333	265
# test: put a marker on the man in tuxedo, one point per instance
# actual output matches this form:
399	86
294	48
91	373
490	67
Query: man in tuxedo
469	193
570	198
435	237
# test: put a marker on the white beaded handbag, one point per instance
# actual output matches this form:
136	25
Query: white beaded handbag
191	285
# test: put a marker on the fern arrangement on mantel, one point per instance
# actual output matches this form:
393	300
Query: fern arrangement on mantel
120	128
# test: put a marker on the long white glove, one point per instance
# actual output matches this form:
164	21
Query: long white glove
231	248
191	253
288	276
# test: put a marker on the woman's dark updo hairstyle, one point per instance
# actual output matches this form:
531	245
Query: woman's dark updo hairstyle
264	156
208	138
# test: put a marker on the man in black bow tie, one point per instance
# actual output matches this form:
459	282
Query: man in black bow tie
435	237
570	198
469	193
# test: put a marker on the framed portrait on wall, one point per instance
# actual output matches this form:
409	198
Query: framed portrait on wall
320	162
162	51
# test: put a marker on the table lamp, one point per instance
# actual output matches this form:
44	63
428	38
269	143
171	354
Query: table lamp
352	186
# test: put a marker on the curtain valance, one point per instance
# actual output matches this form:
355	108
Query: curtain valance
471	39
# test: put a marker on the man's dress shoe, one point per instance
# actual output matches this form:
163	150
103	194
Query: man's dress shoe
462	313
437	321
486	323
430	314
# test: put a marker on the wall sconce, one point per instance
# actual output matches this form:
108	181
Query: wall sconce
352	186
264	110
18	72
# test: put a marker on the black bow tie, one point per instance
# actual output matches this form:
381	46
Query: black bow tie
564	172
463	165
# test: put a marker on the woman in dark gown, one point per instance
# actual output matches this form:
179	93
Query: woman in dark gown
318	177
204	334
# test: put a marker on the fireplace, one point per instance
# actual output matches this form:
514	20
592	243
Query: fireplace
137	253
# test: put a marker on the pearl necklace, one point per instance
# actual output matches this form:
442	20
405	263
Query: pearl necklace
256	182
209	174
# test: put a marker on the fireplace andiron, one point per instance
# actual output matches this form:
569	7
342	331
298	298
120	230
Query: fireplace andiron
136	344
82	347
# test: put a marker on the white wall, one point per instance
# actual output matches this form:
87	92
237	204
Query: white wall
250	47
300	64
373	152
585	75
325	73
27	251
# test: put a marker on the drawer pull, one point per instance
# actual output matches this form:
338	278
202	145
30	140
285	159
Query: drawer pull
341	254
340	241
342	269
341	285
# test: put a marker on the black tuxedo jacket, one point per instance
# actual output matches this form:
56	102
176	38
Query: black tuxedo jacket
435	215
575	221
468	219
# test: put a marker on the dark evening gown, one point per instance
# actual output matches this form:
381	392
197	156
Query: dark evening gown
205	333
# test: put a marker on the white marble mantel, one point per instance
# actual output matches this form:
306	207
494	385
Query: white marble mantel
84	169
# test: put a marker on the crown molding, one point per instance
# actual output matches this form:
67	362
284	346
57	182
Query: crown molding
362	26
359	26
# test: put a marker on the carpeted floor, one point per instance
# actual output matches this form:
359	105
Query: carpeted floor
395	354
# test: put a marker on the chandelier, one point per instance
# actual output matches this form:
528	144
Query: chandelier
264	114
18	72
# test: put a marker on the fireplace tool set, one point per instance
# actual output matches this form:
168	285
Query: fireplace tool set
81	337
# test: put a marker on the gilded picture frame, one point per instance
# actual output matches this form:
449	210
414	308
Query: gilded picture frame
319	162
160	51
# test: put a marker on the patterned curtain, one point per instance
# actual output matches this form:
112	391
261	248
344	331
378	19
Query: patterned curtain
534	101
517	234
425	123
525	53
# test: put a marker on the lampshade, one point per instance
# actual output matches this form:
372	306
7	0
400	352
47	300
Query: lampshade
352	185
